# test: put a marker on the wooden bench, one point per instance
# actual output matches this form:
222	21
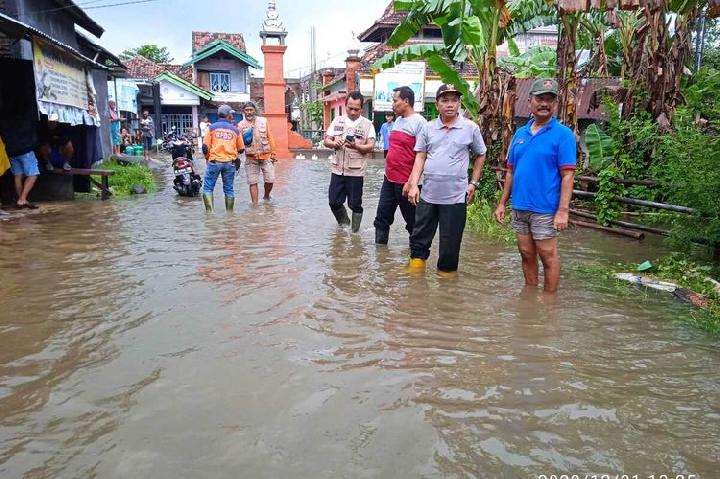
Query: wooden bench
104	184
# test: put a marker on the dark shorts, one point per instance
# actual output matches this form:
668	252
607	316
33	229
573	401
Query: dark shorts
147	142
538	225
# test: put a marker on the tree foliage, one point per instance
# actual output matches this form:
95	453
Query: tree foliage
152	52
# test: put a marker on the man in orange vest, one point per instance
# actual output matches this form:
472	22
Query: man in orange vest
259	151
222	145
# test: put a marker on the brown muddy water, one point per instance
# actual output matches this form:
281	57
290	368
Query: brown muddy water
142	338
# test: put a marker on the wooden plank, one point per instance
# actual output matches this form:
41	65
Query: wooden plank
636	202
83	172
638	235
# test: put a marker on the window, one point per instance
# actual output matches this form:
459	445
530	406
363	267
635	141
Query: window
220	81
183	123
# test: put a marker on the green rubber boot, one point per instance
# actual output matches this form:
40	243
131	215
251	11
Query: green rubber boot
341	215
208	201
356	219
229	203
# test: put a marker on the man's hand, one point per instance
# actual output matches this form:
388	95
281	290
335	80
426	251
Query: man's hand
339	143
237	163
500	213
470	193
406	189
413	195
351	144
560	222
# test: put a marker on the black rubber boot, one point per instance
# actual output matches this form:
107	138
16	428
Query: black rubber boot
341	215
356	219
381	237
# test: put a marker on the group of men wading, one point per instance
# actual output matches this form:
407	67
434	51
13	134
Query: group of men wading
426	173
224	142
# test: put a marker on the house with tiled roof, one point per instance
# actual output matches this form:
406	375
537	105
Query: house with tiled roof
217	72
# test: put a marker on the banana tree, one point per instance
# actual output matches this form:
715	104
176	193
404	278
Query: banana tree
471	31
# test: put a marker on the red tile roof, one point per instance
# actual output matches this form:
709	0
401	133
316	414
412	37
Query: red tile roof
140	67
200	39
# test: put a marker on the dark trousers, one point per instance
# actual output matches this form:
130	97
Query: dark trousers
390	198
451	219
346	187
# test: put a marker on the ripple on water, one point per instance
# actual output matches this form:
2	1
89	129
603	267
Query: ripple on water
145	338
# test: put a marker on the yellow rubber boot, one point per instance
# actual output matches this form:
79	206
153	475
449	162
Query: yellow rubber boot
416	265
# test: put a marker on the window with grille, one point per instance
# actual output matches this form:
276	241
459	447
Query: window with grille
183	123
220	81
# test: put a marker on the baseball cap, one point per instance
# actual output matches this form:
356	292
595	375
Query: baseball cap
224	110
447	88
544	85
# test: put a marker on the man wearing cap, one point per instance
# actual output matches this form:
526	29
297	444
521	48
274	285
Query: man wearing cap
352	136
222	145
399	162
539	182
443	155
259	151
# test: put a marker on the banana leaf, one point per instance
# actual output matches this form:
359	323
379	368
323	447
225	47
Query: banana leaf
600	148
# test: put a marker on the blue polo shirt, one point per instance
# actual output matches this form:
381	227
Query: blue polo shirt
536	161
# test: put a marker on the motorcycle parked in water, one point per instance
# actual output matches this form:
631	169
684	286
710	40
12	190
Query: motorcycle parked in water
187	182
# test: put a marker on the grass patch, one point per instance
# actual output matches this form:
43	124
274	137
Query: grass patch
481	219
127	176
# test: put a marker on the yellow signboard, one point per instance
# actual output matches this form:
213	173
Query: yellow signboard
59	78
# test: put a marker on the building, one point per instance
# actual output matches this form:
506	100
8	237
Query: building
37	36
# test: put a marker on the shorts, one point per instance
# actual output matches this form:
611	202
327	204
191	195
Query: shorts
24	165
538	225
253	169
147	143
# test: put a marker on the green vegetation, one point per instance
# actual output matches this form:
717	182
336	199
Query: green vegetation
127	176
153	53
481	219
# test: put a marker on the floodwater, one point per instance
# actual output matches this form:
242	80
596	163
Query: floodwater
142	338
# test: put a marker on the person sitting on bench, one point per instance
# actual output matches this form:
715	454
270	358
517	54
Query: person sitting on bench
56	148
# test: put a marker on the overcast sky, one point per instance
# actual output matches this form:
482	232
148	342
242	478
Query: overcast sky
170	23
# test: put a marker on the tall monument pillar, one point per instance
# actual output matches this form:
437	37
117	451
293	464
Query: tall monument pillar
273	35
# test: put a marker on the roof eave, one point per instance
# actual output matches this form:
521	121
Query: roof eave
176	80
81	18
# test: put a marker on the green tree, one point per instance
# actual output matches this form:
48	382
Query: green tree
153	53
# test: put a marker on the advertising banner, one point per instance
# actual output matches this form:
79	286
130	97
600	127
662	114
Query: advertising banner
410	74
59	78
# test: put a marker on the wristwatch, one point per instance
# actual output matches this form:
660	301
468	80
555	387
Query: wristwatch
475	183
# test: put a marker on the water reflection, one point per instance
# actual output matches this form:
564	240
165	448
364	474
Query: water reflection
144	338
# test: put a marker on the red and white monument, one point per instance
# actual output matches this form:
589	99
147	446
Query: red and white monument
273	35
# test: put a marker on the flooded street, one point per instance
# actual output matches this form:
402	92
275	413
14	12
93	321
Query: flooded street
142	338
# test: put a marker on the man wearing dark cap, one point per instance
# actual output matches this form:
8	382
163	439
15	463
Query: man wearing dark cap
539	182
222	145
443	155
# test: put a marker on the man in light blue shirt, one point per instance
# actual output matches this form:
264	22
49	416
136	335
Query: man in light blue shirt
385	130
539	182
443	155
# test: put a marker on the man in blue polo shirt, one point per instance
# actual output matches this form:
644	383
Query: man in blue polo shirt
539	181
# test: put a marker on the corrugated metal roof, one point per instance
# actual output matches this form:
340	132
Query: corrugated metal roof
17	29
588	86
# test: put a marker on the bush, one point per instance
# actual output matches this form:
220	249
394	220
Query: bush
127	176
481	219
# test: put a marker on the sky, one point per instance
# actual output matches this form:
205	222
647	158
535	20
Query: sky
169	23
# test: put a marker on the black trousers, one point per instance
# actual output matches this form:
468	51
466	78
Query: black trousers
390	198
346	187
451	219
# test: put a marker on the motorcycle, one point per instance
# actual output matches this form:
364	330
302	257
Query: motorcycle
187	182
171	137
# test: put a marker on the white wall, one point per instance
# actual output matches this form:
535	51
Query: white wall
174	95
237	69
